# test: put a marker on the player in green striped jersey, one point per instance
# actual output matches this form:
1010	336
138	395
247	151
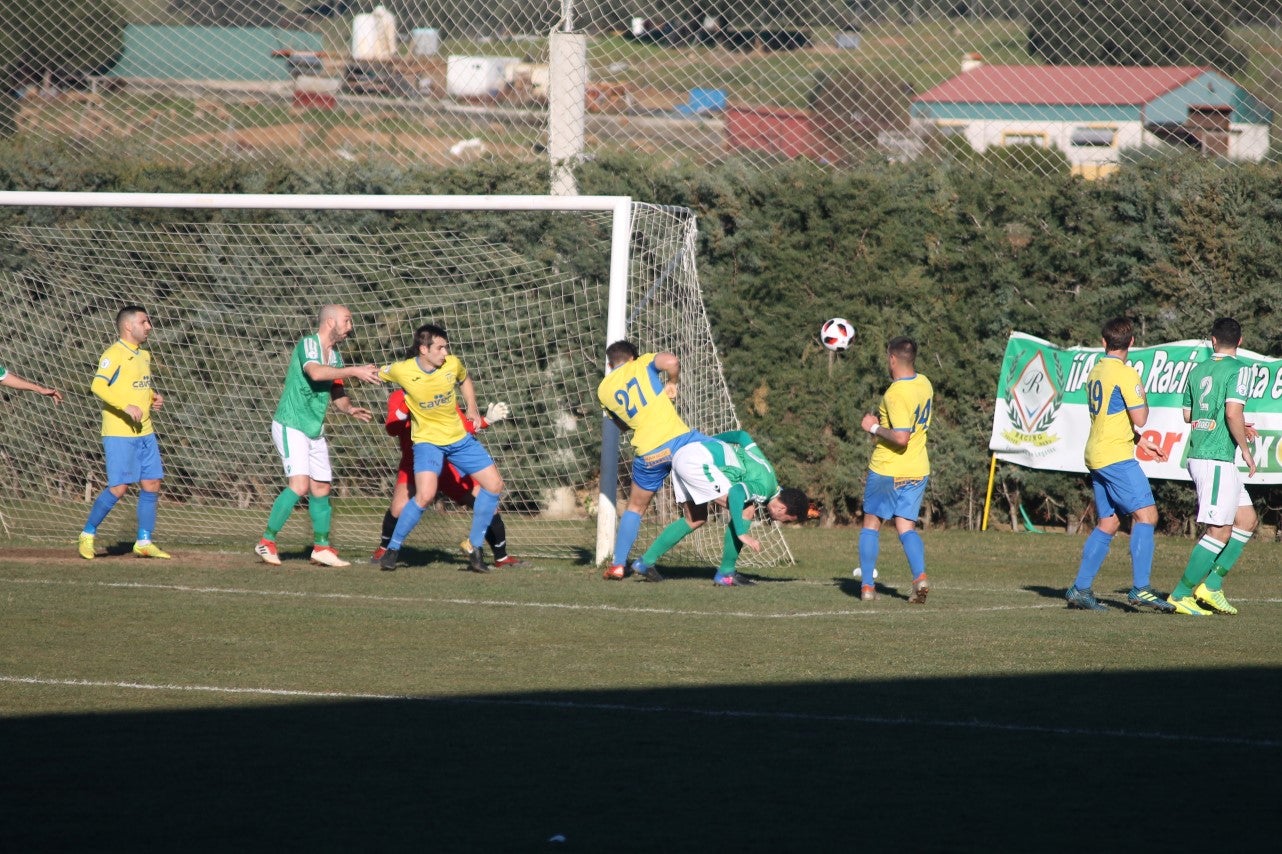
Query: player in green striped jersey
13	381
313	380
1215	399
729	470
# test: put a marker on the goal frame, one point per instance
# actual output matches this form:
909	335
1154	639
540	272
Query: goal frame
620	208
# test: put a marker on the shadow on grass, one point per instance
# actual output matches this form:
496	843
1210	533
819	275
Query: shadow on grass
981	764
853	588
1115	602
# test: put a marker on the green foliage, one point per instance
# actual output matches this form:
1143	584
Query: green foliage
956	256
1133	32
1029	159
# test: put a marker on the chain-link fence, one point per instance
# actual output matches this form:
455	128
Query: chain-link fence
1090	83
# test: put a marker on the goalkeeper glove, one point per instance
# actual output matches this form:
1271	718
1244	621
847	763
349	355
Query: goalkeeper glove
496	412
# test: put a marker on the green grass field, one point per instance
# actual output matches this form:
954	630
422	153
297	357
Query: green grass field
209	703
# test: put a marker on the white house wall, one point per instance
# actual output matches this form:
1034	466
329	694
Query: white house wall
1248	142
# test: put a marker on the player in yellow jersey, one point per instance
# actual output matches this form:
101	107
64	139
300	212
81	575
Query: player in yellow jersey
123	384
899	468
433	379
638	398
1118	407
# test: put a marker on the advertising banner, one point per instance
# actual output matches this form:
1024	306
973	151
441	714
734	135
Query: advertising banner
1041	419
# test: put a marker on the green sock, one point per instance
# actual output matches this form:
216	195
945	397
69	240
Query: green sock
322	514
281	508
729	553
1200	563
1232	551
674	533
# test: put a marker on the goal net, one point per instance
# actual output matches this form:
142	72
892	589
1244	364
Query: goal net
524	291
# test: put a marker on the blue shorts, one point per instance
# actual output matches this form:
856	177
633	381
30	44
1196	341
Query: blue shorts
132	458
1120	486
887	497
650	470
467	455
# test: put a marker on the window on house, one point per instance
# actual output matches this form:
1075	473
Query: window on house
1093	137
1038	139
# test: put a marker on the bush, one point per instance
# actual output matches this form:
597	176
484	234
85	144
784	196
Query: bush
956	256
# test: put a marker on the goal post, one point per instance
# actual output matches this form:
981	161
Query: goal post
531	288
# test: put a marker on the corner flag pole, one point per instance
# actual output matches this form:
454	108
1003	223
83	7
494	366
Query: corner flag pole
988	496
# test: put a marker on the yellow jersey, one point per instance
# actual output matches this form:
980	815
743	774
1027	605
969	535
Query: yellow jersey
634	393
431	397
906	405
1113	389
124	378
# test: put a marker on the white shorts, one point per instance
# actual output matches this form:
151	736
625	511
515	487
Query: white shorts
301	453
694	476
1220	491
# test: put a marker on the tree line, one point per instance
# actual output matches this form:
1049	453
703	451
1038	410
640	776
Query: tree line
956	253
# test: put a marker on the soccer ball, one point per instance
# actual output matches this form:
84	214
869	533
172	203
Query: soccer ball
836	334
859	573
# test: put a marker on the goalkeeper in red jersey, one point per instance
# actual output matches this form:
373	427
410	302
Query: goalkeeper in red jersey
453	484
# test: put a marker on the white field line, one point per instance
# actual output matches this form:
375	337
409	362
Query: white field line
742	714
510	603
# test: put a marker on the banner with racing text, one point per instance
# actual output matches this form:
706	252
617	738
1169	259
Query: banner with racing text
1041	418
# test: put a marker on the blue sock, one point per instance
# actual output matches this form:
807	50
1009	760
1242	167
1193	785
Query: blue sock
629	527
1141	553
146	514
101	507
482	512
869	548
1093	554
915	551
410	515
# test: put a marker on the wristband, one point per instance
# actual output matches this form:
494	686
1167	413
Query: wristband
874	428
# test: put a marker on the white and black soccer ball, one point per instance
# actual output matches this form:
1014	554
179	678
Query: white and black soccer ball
859	573
837	333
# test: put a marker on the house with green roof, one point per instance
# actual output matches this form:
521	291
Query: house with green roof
1093	113
153	52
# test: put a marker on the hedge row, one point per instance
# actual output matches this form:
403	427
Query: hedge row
956	254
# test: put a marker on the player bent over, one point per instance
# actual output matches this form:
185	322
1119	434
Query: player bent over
453	484
637	397
433	379
313	379
1215	397
729	470
123	384
898	469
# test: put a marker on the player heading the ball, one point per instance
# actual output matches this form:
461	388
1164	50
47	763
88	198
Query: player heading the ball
729	470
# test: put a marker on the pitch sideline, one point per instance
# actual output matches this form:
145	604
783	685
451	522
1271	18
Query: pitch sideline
512	603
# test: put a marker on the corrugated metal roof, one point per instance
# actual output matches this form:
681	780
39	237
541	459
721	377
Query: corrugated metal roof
1062	84
209	53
